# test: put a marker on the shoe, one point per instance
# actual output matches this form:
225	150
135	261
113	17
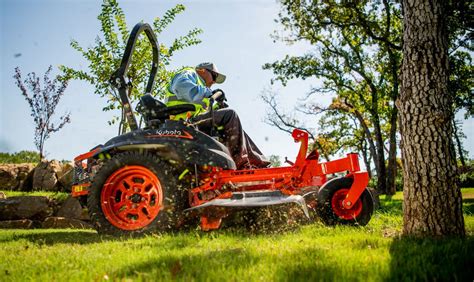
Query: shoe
265	164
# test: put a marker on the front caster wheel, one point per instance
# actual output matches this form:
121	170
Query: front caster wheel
331	210
134	193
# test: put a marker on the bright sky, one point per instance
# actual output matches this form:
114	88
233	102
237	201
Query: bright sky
236	37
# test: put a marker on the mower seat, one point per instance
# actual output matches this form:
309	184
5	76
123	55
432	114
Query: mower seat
152	109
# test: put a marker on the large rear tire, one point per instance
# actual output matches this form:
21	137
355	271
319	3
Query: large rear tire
135	193
331	210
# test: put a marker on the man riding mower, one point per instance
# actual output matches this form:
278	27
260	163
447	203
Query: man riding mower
158	177
191	86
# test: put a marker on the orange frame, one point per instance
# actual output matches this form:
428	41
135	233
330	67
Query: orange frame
305	172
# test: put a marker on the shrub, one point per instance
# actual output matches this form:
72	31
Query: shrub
466	175
19	157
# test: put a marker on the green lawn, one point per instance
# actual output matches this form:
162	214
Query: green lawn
311	252
58	196
468	193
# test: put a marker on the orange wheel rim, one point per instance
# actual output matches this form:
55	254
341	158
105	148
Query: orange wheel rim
340	210
131	197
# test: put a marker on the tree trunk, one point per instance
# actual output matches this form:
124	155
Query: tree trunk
380	157
39	142
458	143
392	154
365	157
373	146
433	204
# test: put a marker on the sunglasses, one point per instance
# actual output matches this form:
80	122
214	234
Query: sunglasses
213	74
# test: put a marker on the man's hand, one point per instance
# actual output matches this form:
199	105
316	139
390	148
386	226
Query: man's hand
219	95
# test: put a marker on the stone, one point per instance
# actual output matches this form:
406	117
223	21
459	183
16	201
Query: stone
8	177
25	207
63	222
65	176
27	185
24	172
16	224
45	176
12	176
71	208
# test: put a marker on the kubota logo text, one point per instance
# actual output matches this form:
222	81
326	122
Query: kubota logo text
171	133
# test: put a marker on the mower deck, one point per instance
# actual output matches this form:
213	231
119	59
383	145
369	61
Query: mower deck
254	199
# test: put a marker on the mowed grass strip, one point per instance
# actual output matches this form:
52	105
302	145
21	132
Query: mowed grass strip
309	253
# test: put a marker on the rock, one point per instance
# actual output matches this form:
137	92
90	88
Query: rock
45	176
25	207
27	185
16	224
24	172
63	222
71	208
65	176
12	176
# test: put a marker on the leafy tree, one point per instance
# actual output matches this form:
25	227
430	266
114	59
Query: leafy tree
43	102
357	55
105	57
460	32
342	132
336	131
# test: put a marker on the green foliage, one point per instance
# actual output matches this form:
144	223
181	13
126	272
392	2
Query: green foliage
466	175
105	57
461	82
466	180
340	133
399	182
356	55
19	157
311	253
275	161
460	32
350	40
461	71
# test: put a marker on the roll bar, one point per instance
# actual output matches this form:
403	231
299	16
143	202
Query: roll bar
119	77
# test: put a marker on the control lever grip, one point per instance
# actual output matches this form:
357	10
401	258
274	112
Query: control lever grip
216	95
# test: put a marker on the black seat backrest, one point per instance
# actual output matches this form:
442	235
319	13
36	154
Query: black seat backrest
152	109
148	102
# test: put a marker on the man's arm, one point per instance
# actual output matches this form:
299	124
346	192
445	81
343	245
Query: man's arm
186	88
